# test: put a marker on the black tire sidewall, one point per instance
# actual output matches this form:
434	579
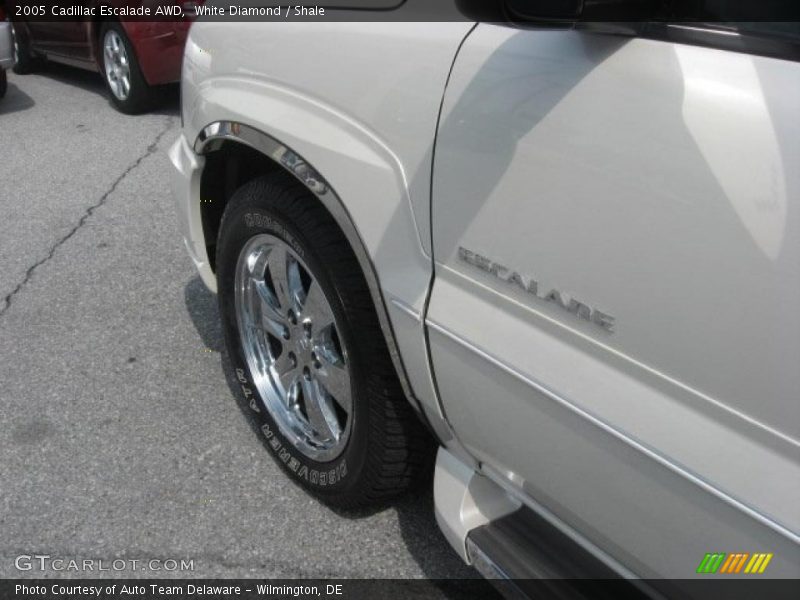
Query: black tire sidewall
247	217
141	95
3	82
25	60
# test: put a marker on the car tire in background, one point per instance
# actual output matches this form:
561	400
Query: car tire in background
25	61
127	87
3	82
307	349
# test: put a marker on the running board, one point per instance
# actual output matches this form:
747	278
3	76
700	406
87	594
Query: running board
520	552
525	556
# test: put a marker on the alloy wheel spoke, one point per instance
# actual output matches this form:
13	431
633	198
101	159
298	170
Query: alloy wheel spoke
320	414
277	266
257	337
317	308
336	381
271	316
288	374
297	293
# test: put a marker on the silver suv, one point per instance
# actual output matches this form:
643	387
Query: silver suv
570	256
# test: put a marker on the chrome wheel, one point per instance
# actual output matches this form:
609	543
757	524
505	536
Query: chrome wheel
117	65
292	346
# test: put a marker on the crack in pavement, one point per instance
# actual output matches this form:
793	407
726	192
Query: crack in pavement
151	149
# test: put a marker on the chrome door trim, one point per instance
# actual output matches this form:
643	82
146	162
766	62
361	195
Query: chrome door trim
620	435
211	138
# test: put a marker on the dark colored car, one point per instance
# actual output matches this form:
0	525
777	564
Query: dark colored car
6	49
134	57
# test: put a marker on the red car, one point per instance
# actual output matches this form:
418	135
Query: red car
134	57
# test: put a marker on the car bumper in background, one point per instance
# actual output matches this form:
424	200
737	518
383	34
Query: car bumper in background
187	169
6	46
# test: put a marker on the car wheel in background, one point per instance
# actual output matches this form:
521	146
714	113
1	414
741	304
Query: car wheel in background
25	61
129	91
3	82
308	351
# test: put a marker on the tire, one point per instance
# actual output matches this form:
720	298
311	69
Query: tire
386	449
127	87
3	82
25	60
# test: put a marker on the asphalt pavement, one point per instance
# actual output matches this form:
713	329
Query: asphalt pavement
120	437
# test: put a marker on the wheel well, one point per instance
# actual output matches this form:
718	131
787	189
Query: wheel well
231	164
226	170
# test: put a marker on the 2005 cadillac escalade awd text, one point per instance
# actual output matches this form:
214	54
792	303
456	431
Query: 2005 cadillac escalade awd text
571	257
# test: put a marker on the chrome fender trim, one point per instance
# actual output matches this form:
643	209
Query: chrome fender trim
211	139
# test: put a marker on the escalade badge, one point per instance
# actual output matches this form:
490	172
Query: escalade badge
531	286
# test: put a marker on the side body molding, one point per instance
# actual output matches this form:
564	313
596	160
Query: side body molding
211	139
